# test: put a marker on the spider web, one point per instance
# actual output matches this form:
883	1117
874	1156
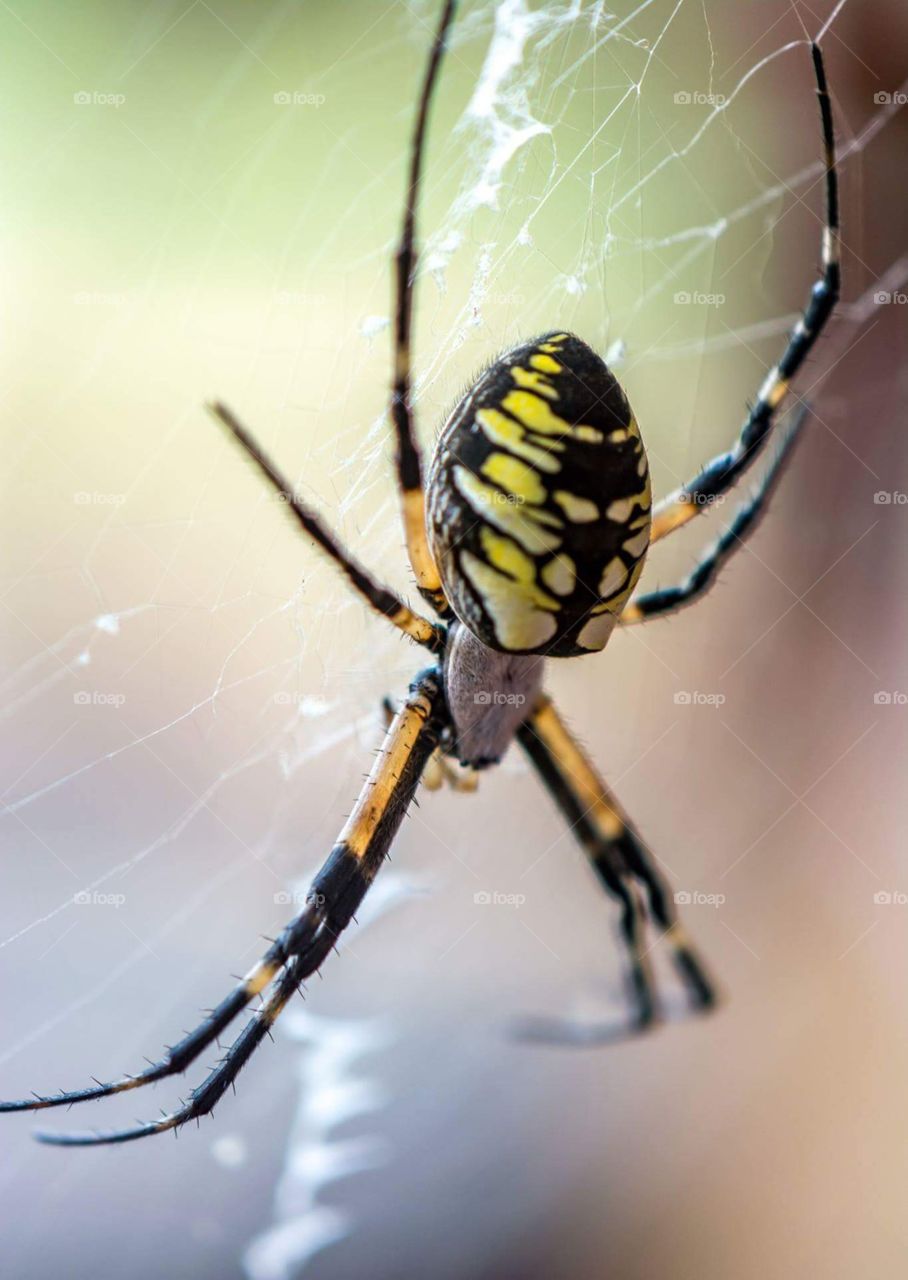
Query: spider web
190	695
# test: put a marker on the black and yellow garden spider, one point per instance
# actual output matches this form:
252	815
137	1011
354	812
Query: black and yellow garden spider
527	542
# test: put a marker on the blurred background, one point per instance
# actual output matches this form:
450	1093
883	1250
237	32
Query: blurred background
201	199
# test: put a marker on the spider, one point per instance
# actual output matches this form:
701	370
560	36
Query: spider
527	541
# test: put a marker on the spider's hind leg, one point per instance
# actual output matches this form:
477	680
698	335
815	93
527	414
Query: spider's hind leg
621	862
633	931
662	910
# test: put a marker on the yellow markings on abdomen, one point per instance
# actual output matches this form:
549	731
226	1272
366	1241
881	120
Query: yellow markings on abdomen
518	620
620	510
520	521
637	545
578	510
505	555
538	416
530	381
545	364
515	477
501	429
594	633
560	575
614	577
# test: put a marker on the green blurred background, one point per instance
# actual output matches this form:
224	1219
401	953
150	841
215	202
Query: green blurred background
190	698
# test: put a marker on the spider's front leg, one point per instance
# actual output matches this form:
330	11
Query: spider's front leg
304	944
408	460
620	860
666	600
720	474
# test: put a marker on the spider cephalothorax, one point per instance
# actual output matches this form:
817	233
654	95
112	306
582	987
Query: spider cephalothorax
539	501
539	519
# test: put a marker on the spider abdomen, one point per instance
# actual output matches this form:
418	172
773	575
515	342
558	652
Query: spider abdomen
539	501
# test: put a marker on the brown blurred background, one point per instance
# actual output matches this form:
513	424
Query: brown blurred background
190	698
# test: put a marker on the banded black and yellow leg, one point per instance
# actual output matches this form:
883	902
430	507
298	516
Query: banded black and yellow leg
306	941
662	910
380	598
615	850
655	604
722	472
633	930
440	770
407	457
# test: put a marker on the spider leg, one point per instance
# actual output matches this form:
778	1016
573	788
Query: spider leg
654	604
380	598
721	473
305	942
440	770
407	458
617	855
